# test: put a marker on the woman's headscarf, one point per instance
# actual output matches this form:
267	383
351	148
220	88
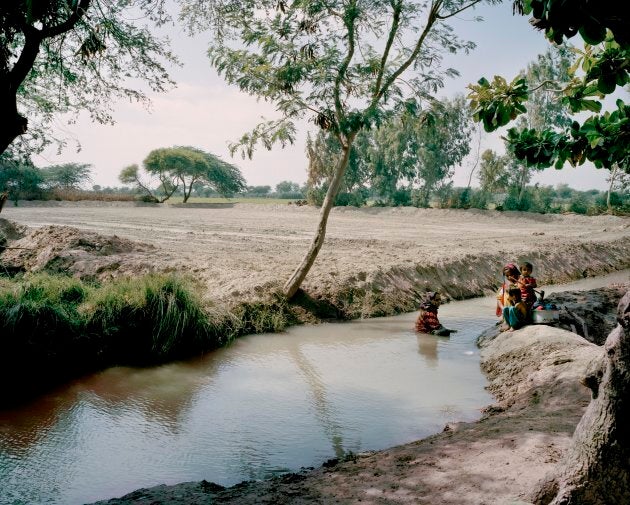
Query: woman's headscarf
428	299
512	269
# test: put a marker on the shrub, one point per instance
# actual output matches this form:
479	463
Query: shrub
401	198
579	204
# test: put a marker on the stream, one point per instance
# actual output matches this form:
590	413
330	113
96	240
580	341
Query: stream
265	405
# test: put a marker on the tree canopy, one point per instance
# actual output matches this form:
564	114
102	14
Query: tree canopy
343	64
413	152
67	176
599	69
59	56
184	168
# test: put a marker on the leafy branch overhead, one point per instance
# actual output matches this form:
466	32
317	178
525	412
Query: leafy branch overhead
341	65
602	67
60	56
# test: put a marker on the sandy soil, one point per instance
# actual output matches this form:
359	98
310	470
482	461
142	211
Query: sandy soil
374	261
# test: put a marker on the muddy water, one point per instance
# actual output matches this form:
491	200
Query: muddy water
265	405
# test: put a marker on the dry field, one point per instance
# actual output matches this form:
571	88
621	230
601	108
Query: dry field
244	249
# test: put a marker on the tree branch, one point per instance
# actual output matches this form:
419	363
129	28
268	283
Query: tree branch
433	12
33	39
346	62
397	6
69	23
454	13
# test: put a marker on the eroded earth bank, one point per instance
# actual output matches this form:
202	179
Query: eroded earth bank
375	261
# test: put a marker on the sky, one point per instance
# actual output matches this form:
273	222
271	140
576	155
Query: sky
205	112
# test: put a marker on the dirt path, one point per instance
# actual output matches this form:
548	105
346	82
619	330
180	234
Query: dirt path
374	260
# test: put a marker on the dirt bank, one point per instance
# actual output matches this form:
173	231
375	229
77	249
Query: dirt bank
375	261
534	374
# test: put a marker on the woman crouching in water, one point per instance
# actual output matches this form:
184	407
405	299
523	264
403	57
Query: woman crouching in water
427	321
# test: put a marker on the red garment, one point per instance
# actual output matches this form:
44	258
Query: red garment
527	285
427	321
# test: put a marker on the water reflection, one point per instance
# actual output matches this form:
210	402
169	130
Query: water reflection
267	404
428	348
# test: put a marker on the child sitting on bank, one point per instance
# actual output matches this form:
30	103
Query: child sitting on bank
515	313
527	284
511	275
427	321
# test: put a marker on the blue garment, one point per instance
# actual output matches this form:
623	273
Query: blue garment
513	317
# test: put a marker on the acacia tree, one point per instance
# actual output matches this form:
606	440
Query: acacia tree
189	166
166	187
60	56
339	62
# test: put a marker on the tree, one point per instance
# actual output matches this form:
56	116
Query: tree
166	187
60	56
405	152
287	187
602	138
19	179
494	172
596	468
616	180
67	176
340	62
258	190
541	109
190	165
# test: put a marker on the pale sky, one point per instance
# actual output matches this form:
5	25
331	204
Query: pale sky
203	111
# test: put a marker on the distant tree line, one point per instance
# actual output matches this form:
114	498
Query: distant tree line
500	188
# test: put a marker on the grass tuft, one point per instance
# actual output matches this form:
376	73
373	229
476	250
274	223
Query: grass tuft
55	327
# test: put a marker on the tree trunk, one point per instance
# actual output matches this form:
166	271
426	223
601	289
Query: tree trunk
596	468
13	124
477	157
522	184
3	198
295	281
613	174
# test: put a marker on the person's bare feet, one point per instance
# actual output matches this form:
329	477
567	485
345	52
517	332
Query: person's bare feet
511	329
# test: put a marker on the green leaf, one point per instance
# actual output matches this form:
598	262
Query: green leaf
606	83
593	32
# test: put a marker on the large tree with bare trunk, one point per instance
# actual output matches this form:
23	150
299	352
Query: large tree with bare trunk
596	469
344	64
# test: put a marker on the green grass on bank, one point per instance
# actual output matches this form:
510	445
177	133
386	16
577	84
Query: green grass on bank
55	327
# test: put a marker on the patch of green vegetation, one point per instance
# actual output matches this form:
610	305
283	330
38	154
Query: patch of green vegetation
261	201
55	327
